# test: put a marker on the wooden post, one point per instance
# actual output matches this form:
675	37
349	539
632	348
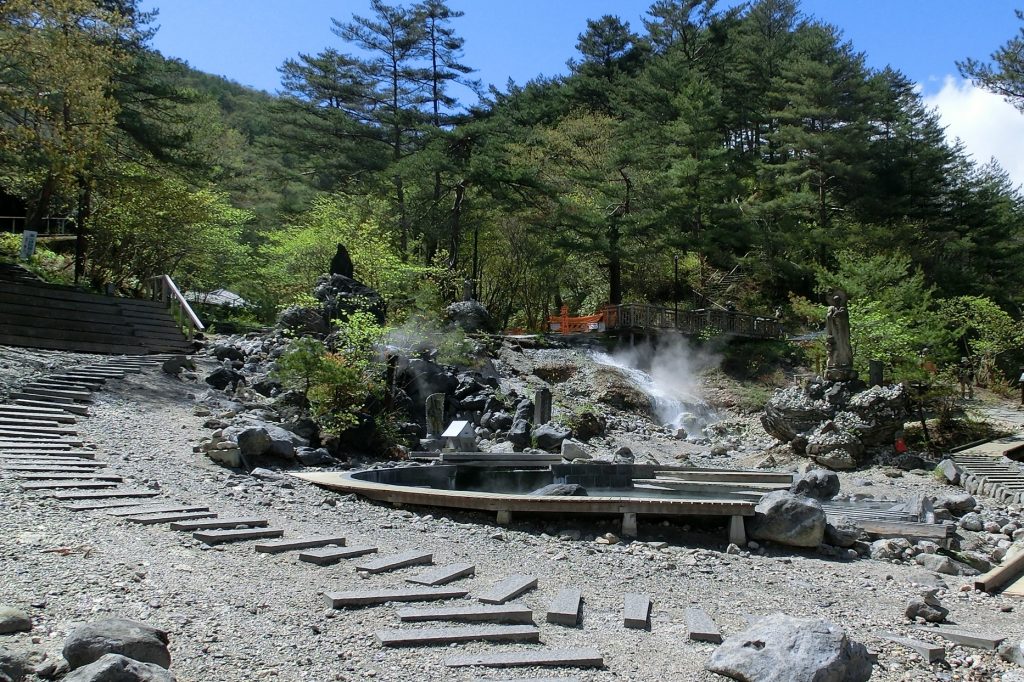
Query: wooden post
737	531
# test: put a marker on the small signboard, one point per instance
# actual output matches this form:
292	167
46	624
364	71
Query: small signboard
28	244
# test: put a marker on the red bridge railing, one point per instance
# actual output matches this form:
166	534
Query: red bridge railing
641	317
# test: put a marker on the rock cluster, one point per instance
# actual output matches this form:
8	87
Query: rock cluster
835	423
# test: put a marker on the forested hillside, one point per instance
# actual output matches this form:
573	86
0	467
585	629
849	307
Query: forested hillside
753	140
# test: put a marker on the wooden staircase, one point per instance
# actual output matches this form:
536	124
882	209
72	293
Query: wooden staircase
39	315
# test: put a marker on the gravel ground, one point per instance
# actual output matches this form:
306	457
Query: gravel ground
233	614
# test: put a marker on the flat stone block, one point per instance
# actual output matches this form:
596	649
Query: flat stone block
391	562
67	484
48	454
508	589
102	504
373	597
301	543
637	611
443	574
63	475
926	650
505	613
438	636
967	638
153	519
569	658
701	627
133	509
332	555
212	537
565	609
222	523
106	494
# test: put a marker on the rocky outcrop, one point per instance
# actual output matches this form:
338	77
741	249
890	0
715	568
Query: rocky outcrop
613	388
780	648
817	483
834	423
341	296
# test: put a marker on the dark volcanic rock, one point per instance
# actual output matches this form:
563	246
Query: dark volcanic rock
341	296
561	490
303	321
222	377
550	436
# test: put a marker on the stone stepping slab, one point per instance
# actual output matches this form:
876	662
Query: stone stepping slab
58	416
67	485
12	445
565	609
152	519
78	396
574	658
49	455
508	589
50	400
505	613
63	385
967	638
391	562
337	600
99	505
332	555
12	422
140	509
701	627
45	439
926	650
213	537
220	524
36	427
636	611
442	574
300	543
56	465
64	476
527	679
34	402
81	378
106	494
455	635
21	409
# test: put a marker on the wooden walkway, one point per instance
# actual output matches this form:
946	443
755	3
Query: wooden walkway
641	318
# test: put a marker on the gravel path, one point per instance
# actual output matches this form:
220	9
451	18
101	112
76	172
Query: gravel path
236	615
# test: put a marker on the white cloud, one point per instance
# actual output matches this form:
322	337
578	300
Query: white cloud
987	125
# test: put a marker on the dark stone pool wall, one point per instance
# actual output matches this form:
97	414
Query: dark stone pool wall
595	475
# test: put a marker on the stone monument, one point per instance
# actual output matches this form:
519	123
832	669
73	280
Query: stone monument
435	404
837	341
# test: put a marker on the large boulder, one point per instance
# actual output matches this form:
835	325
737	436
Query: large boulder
469	316
614	388
788	519
341	296
550	436
303	321
817	483
421	378
222	377
13	620
519	434
117	668
265	440
561	490
780	648
88	643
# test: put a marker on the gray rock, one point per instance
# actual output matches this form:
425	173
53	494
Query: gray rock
889	548
117	668
573	450
253	442
265	440
922	608
972	522
937	563
561	490
788	519
503	446
843	533
222	377
779	648
1013	652
470	316
341	296
310	457
519	434
623	455
303	321
524	411
817	483
87	643
14	620
550	436
957	503
178	364
14	665
949	471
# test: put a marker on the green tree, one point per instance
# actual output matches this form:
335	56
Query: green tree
1004	75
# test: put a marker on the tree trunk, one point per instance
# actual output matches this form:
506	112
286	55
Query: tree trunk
81	223
614	265
34	219
454	239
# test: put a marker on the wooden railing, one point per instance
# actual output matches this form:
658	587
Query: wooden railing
641	317
163	288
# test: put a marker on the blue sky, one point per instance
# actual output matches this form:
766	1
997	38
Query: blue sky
247	40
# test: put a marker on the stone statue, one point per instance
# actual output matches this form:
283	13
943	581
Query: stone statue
341	264
837	340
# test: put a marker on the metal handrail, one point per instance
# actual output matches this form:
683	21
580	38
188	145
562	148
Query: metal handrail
168	293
